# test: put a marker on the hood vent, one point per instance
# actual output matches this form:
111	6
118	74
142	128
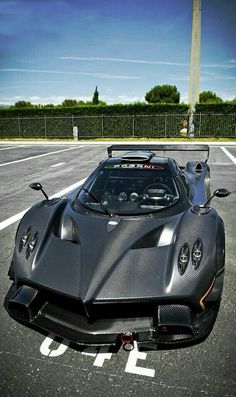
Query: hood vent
149	240
69	230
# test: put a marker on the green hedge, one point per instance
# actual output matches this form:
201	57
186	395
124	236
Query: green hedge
94	121
109	110
215	125
93	126
216	108
138	120
215	119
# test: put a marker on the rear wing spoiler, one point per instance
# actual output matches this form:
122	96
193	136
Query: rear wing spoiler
159	148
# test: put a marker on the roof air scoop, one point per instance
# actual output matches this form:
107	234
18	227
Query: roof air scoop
138	156
198	167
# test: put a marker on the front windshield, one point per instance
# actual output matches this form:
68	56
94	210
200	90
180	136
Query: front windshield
130	189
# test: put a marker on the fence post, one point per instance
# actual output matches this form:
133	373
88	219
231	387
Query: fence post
165	125
45	127
19	126
102	125
200	123
133	125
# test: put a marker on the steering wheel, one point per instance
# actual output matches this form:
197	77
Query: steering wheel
158	185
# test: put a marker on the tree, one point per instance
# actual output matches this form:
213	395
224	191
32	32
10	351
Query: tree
23	104
69	103
48	106
163	93
209	97
96	97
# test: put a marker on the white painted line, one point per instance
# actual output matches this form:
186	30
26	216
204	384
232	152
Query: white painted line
39	155
10	147
69	188
14	147
18	216
111	142
57	165
231	157
12	219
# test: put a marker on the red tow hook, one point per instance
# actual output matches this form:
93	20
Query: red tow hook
127	340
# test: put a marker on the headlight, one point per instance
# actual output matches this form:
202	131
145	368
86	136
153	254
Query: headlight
183	259
197	253
24	239
32	244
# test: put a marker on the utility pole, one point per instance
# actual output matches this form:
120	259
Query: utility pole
195	59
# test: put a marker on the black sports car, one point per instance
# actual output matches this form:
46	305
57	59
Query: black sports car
137	253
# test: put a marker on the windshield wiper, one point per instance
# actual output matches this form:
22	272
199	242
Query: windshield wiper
97	201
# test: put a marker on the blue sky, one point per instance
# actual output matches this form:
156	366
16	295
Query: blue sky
56	49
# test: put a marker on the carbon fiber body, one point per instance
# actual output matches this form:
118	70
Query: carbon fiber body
91	276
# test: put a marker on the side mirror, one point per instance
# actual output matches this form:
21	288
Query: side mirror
38	186
221	193
218	193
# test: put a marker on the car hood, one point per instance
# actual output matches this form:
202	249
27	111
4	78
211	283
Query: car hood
98	258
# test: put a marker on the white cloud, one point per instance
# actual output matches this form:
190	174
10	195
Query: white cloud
207	73
227	94
184	98
179	78
210	77
91	74
231	64
219	65
111	99
54	99
129	98
126	60
34	99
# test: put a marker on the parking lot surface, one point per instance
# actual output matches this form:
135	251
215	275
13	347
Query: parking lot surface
33	364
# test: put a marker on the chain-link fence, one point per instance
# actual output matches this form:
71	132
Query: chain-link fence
127	126
217	125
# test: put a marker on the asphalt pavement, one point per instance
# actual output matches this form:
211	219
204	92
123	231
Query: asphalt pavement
34	364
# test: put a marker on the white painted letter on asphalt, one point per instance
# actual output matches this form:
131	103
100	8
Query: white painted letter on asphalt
46	351
131	367
100	356
90	351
